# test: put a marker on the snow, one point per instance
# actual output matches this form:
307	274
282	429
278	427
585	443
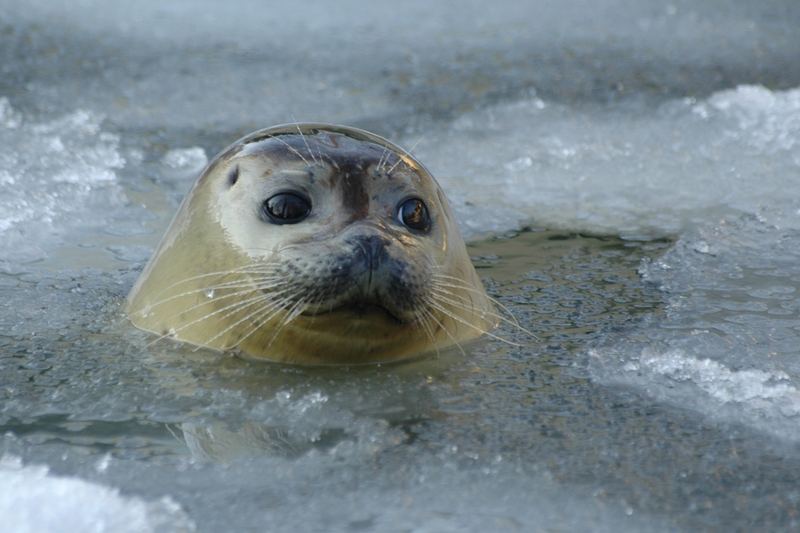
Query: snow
33	500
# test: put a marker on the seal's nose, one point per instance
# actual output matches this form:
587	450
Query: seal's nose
370	250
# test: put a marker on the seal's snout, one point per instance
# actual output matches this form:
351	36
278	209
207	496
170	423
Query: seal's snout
370	251
369	260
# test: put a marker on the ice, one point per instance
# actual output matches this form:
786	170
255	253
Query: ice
718	381
52	174
33	500
205	66
727	345
769	401
609	170
770	119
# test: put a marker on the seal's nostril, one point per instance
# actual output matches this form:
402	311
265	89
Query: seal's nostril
370	249
376	246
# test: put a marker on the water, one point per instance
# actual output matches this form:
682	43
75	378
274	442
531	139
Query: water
628	178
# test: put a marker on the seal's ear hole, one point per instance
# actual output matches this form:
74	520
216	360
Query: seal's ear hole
285	208
413	214
233	176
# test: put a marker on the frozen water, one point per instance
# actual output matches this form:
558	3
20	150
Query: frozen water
194	63
660	141
607	169
51	172
32	500
727	343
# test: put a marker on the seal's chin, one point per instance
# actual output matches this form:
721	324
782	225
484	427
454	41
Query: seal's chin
359	310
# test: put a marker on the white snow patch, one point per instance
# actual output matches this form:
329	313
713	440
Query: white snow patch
771	119
766	400
715	379
32	500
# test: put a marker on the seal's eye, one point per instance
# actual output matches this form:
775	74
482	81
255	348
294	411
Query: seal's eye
285	208
413	214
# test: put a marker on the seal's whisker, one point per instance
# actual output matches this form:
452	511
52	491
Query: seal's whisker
231	310
291	148
442	290
269	298
407	152
257	313
257	299
446	296
272	249
250	267
250	289
298	309
236	306
233	284
248	316
426	326
270	308
262	315
495	301
461	286
319	152
212	288
319	294
291	314
241	270
305	141
173	331
380	164
444	328
319	297
460	320
259	293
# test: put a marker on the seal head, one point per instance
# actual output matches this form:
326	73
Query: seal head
313	244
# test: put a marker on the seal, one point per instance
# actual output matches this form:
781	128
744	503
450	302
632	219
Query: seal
314	244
